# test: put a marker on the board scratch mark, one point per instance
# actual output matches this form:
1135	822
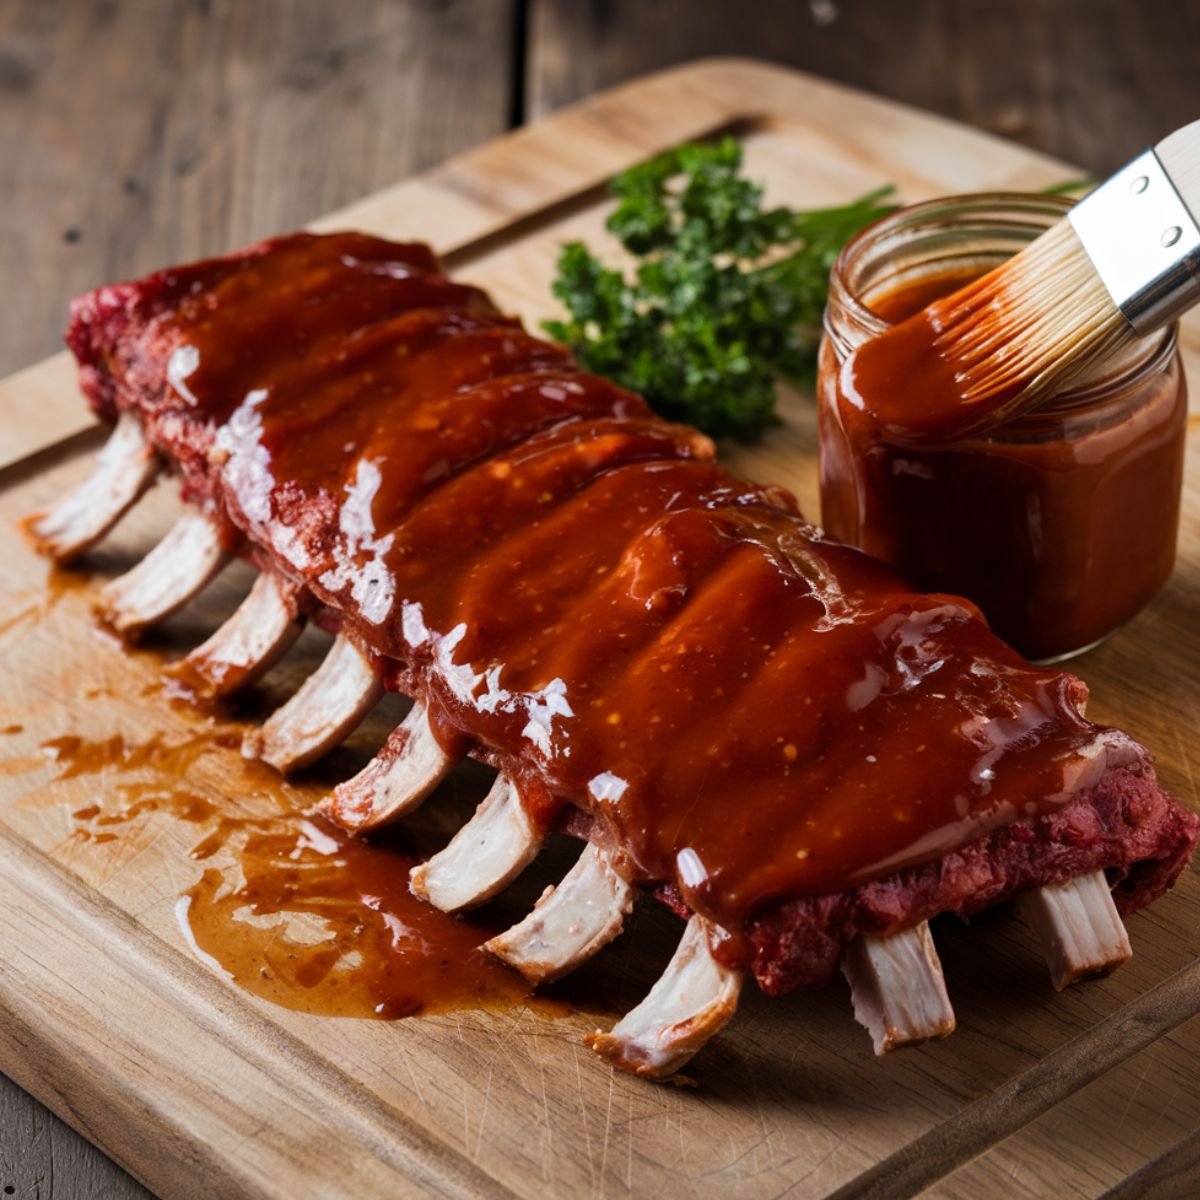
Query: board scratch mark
1133	1093
413	1078
483	1112
121	863
608	1125
549	1157
584	1124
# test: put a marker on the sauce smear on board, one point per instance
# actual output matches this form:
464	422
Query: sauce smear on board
325	923
289	907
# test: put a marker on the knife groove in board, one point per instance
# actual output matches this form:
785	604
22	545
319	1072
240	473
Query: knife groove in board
1025	1097
41	899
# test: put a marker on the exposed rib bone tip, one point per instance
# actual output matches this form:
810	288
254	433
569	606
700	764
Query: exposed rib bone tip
484	857
397	780
125	467
172	573
570	922
1081	932
254	638
897	988
692	1000
326	709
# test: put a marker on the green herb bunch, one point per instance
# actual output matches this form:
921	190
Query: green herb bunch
726	296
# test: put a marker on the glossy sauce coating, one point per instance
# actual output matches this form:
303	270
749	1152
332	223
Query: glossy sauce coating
1061	525
582	596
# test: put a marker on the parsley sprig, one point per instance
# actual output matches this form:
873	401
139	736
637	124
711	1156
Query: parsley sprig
725	297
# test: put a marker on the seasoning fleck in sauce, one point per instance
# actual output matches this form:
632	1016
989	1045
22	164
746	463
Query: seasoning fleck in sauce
575	589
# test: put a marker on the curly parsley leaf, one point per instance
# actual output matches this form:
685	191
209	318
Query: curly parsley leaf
725	296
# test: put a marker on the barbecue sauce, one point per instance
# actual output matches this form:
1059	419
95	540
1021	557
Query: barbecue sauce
287	906
905	383
579	593
325	923
1061	524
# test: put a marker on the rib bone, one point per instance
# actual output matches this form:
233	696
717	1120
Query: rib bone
1079	927
167	578
124	469
484	857
258	634
692	1000
333	700
570	922
897	988
397	780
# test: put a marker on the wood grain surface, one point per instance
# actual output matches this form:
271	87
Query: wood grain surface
790	1099
144	132
139	132
1173	1175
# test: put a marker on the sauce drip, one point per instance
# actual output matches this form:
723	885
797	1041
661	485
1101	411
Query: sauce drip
573	586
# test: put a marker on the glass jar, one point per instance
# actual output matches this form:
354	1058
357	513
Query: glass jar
1060	524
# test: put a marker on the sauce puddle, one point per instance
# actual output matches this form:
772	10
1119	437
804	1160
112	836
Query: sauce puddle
314	921
283	904
287	906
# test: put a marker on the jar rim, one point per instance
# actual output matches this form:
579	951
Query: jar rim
978	204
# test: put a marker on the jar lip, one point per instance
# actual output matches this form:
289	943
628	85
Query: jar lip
964	203
978	205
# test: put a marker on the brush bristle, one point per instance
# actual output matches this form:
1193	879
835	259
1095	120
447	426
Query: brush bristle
1034	324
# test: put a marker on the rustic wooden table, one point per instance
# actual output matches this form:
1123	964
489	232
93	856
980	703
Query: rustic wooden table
137	132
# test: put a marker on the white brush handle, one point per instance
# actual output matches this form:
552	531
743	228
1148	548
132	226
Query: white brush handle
1179	153
1141	229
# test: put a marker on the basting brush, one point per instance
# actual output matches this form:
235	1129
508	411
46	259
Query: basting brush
1123	263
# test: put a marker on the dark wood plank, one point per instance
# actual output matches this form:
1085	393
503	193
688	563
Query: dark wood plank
41	1157
1092	81
1022	1098
139	132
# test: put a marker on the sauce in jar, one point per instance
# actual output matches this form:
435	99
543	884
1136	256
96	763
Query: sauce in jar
1061	523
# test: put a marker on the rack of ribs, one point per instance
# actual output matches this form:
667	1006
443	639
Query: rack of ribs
803	757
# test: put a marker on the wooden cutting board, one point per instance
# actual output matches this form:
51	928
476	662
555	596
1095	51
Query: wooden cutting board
199	1088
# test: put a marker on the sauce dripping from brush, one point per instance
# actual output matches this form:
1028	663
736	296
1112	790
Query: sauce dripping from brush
910	381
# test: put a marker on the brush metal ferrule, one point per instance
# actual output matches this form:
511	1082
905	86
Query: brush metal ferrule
1143	242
